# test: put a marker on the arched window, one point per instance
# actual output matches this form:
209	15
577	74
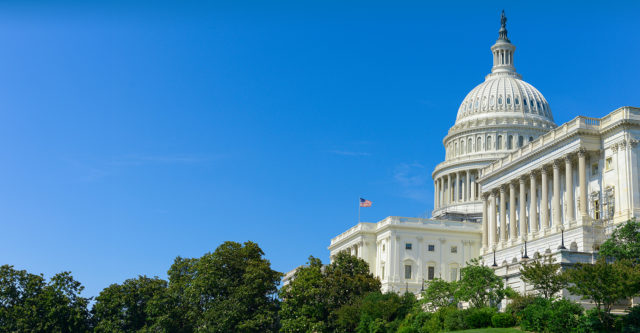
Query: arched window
517	101
508	99
478	144
462	150
469	144
455	149
520	141
500	100
488	144
499	142
492	102
524	100
510	142
530	138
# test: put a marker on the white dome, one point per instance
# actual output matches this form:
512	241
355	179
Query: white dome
504	96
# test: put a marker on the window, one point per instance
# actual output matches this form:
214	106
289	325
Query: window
525	102
431	272
454	274
520	141
407	271
608	164
594	169
454	249
508	99
469	144
432	248
407	246
383	247
488	144
493	101
478	143
500	100
499	142
510	142
517	101
596	209
530	138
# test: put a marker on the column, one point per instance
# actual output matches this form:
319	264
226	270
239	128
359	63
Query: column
473	188
569	202
492	218
467	190
544	200
503	214
435	194
448	189
582	174
522	220
456	188
555	205
533	209
512	212
485	222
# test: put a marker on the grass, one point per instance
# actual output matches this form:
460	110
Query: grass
491	330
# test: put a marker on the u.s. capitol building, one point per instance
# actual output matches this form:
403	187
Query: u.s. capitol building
513	185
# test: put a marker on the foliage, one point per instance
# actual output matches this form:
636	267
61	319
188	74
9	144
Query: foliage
536	315
454	319
126	307
631	322
439	293
545	276
390	307
503	320
605	284
590	322
325	298
479	317
28	303
231	289
518	304
624	243
479	285
415	322
544	315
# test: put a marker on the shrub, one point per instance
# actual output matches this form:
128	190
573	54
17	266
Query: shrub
631	322
479	317
565	316
536	315
590	322
503	320
454	320
518	304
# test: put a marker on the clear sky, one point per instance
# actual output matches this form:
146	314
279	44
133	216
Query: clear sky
131	134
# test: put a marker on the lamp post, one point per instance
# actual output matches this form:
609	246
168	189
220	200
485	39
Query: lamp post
561	247
525	256
494	257
422	288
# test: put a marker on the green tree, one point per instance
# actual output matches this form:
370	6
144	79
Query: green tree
605	284
311	301
479	285
624	243
232	289
545	275
439	293
28	303
127	307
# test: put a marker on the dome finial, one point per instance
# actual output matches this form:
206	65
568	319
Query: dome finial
503	27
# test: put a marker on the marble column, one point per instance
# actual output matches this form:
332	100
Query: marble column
533	207
555	205
503	214
569	202
582	174
435	194
492	218
473	188
544	199
456	188
512	211
448	189
522	219
467	188
485	222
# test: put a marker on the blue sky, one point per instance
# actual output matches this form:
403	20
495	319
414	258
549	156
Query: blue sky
131	134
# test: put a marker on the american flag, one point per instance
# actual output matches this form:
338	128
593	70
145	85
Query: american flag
365	203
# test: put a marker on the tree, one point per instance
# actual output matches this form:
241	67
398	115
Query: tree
605	284
127	307
388	308
439	293
232	289
28	303
624	243
544	275
479	285
311	301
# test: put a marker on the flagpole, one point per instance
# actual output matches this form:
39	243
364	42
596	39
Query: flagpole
358	210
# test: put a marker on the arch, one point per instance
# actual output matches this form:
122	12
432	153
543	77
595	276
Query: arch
478	144
488	143
499	142
469	145
510	142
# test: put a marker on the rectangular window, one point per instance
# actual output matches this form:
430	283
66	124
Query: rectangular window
407	246
407	271
608	164
431	272
596	208
432	248
454	274
454	249
594	169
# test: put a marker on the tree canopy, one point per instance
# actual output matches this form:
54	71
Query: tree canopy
624	243
479	285
545	275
